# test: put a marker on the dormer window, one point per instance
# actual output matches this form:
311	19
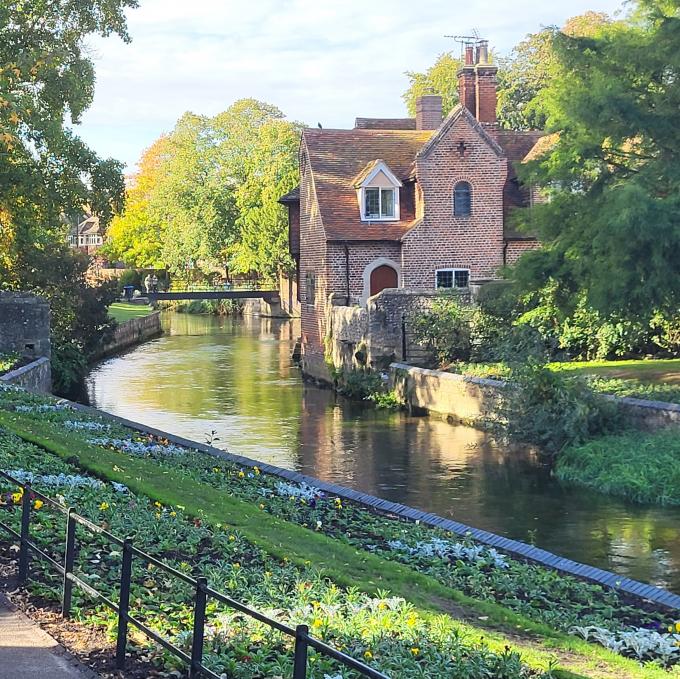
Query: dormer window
377	192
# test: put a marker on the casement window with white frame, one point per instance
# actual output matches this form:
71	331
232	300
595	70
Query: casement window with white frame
451	278
378	193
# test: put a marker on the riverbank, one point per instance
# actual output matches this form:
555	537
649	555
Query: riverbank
305	524
135	330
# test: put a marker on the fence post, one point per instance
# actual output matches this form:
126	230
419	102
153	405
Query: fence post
300	660
124	603
69	558
403	339
24	555
199	628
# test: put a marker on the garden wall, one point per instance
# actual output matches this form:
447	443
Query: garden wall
465	399
24	325
134	331
378	333
36	376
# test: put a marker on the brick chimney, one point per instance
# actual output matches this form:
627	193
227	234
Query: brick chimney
428	112
486	85
467	81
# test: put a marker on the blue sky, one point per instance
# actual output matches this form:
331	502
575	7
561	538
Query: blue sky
317	60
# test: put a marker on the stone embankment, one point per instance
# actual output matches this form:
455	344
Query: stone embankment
35	376
132	332
466	399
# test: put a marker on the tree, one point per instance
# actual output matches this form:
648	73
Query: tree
46	171
527	71
135	236
440	79
611	229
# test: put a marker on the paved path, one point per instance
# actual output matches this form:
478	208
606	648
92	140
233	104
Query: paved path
27	652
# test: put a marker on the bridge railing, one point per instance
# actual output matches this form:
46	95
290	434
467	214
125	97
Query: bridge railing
179	286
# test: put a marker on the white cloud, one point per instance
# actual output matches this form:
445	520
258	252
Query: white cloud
317	60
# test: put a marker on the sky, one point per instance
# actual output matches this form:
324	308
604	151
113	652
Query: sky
319	61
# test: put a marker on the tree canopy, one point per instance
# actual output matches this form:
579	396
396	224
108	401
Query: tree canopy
205	195
611	227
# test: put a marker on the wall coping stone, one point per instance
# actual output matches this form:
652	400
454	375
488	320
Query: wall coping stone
516	548
486	382
14	374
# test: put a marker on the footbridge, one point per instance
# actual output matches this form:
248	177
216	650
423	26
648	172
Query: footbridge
271	300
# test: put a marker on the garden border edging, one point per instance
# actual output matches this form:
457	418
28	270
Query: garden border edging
515	547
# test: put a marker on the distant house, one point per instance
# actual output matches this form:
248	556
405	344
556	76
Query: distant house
86	235
420	203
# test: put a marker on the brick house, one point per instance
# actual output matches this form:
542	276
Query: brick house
416	203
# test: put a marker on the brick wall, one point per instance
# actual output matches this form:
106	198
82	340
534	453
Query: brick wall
516	248
442	240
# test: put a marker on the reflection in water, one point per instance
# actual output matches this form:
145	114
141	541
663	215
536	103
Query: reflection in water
234	377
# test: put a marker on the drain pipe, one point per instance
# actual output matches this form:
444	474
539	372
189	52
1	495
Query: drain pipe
347	273
505	252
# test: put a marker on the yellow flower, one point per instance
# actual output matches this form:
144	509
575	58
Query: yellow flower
16	498
158	515
231	538
415	650
677	627
318	622
157	504
173	514
256	470
261	506
241	475
38	504
104	506
368	655
216	470
411	621
237	565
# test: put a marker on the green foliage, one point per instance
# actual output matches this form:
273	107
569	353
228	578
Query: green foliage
8	360
130	277
446	329
612	225
359	384
638	466
440	79
205	197
551	409
221	307
668	393
387	400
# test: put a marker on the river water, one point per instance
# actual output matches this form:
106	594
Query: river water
230	380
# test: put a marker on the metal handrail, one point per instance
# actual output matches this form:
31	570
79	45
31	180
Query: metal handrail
303	640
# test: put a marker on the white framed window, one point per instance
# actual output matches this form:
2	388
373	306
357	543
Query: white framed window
451	278
380	203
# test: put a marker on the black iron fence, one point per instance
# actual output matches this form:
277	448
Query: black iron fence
202	593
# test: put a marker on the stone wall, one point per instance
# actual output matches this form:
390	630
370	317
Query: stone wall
36	376
24	325
373	336
134	331
466	399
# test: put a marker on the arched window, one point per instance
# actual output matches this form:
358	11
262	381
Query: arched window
462	199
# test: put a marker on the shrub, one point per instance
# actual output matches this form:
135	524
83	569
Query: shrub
552	409
446	329
359	384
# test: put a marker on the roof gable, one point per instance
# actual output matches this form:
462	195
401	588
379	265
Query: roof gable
456	114
369	173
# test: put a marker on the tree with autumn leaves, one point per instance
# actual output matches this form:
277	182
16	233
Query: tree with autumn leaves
206	195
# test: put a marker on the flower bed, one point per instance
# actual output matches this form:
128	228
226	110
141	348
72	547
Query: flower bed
384	631
537	593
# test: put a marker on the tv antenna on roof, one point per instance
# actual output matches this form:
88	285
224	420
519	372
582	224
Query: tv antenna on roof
466	40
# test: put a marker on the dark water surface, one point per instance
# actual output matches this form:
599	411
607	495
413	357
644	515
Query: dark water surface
234	377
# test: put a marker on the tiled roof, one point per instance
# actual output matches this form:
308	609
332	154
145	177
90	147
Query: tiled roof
291	197
516	145
385	123
337	156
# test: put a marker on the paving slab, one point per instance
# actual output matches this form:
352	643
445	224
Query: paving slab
27	652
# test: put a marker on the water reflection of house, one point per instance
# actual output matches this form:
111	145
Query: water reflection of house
86	235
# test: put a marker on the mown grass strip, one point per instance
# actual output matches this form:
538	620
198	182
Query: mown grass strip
340	562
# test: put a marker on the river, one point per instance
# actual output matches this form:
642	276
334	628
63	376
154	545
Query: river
230	381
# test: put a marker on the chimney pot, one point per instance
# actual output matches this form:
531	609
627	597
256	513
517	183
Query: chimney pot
469	55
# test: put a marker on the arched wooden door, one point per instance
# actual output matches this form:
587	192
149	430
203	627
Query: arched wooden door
382	277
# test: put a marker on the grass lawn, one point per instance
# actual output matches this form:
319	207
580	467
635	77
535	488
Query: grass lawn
124	311
292	533
666	371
